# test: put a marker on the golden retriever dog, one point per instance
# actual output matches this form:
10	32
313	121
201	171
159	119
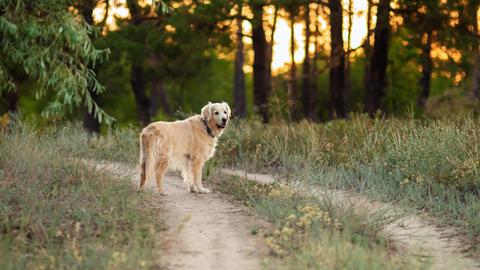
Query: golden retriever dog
183	145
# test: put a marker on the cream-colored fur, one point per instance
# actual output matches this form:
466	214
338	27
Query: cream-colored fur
182	145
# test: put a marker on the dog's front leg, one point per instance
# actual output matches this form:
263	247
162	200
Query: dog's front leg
197	176
188	179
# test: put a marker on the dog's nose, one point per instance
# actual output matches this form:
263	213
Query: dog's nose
224	120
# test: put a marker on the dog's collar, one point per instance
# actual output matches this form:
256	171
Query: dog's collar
209	130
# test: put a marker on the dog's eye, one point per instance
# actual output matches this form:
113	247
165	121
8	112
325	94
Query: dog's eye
216	112
225	112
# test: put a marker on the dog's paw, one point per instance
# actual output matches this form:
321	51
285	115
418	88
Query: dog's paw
186	186
193	189
203	190
162	192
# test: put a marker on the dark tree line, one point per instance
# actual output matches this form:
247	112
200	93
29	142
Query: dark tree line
427	22
161	50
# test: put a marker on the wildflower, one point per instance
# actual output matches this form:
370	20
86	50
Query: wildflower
404	182
59	233
419	179
287	231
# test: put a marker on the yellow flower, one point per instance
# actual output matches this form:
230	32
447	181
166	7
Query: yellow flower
4	120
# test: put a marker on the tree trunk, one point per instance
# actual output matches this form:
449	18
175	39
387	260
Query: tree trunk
367	49
260	85
314	69
138	86
292	86
476	54
426	71
91	125
12	98
308	102
476	73
239	99
337	63
379	61
270	52
158	98
347	55
137	79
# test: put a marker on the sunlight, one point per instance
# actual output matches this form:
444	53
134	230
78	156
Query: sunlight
359	23
281	48
117	9
281	59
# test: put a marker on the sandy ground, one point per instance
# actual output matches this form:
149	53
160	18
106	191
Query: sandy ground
411	233
205	231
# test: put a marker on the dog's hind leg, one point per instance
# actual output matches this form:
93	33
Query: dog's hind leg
144	151
161	168
143	177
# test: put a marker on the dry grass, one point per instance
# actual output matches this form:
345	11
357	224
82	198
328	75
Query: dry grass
57	213
309	233
430	165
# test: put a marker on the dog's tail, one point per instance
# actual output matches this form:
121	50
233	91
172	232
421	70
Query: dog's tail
147	145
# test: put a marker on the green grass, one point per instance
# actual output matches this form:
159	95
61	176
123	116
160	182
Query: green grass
309	233
58	213
432	166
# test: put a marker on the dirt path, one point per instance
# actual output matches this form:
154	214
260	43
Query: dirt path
205	231
411	233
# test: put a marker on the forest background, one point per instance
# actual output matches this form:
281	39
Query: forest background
147	60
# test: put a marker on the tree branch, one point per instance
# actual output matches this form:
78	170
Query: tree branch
105	17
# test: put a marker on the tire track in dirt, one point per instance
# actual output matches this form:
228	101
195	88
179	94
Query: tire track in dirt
412	233
205	231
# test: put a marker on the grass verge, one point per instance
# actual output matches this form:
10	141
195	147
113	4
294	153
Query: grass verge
310	233
57	213
429	165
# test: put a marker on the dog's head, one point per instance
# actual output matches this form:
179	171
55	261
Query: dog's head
217	115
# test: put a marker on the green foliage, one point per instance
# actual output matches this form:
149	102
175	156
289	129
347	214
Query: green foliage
46	44
211	86
56	212
173	49
403	77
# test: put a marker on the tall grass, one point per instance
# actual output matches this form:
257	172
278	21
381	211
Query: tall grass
313	233
433	166
57	213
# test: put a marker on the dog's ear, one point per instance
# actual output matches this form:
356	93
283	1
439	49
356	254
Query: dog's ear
206	111
229	111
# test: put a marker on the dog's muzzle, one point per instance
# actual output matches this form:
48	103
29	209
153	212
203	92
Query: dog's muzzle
223	124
